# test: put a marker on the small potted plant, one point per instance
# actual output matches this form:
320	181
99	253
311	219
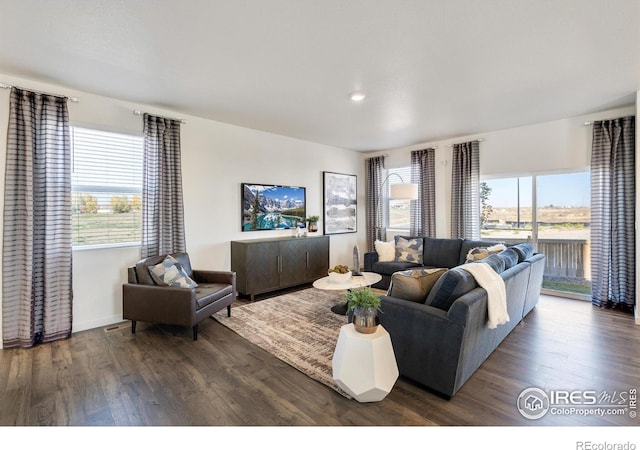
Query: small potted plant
313	223
365	305
339	273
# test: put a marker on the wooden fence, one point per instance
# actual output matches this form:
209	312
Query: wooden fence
564	257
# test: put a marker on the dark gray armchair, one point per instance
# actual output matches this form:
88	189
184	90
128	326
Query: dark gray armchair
144	300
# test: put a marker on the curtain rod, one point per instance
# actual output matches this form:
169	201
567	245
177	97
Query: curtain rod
8	86
425	148
474	140
137	112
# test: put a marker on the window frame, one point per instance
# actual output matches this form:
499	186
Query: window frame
534	216
403	172
107	189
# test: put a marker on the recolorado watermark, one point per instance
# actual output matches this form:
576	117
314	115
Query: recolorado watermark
589	445
535	403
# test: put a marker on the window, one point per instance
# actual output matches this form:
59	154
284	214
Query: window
564	231
556	220
506	208
399	217
106	188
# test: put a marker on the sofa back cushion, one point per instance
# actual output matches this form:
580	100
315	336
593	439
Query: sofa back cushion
441	252
450	286
510	257
414	285
409	249
495	262
524	251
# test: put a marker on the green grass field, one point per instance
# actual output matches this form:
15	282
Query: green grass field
576	288
106	228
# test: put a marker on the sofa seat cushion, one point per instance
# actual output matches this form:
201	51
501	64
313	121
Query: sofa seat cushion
414	284
389	268
207	293
450	286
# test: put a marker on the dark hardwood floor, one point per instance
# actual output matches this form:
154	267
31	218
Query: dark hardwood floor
159	376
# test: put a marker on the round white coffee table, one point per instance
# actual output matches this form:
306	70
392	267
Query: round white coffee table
366	279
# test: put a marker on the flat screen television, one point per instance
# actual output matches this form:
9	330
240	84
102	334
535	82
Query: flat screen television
273	207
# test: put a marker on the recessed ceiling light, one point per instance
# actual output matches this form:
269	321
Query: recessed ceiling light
357	96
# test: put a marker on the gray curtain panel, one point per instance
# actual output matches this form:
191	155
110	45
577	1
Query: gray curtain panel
465	191
37	294
374	172
423	210
162	206
613	213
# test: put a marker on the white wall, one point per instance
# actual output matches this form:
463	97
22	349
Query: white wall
216	158
554	146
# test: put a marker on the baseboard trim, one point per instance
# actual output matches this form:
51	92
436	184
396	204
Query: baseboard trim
82	326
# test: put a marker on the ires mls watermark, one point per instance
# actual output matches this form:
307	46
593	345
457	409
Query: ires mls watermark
535	403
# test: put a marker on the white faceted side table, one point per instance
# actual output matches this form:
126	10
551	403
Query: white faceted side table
364	365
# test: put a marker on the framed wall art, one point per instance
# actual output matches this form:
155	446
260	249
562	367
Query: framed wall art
340	203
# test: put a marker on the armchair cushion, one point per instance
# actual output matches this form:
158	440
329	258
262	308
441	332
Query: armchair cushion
171	273
209	293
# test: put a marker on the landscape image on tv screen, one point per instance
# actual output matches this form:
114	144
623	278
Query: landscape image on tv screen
272	207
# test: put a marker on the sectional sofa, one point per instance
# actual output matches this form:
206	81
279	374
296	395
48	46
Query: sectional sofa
442	339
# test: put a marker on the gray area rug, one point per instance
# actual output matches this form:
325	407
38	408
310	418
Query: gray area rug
297	328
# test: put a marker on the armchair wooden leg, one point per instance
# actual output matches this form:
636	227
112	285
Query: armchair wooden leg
228	310
195	332
133	327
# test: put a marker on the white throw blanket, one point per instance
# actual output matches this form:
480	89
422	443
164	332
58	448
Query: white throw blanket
493	283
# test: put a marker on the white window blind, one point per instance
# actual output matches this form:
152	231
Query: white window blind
106	187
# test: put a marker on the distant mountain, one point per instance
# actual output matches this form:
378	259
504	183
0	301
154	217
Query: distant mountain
268	204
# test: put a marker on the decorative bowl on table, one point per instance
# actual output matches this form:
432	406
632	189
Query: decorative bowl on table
339	274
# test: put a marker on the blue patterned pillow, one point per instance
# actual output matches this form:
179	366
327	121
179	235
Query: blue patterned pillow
409	250
171	273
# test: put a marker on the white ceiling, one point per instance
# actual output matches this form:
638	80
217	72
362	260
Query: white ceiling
432	69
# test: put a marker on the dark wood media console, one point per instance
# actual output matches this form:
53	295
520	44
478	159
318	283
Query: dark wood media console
265	265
